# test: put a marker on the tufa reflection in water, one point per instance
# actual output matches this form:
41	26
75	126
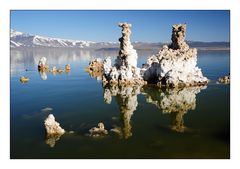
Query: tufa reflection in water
173	100
126	98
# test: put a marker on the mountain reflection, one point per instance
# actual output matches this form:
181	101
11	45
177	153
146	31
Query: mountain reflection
177	101
22	59
126	98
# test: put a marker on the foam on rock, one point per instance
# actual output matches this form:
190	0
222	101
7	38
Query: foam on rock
174	65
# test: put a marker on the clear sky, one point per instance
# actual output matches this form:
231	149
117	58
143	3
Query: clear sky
100	26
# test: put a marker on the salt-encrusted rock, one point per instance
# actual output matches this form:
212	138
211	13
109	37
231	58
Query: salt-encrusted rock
125	70
42	64
174	65
52	127
127	55
126	97
95	68
99	131
107	65
178	37
224	79
176	101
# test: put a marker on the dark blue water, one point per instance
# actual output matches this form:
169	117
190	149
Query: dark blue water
152	123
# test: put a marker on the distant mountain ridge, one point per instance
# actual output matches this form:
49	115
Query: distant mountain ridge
25	40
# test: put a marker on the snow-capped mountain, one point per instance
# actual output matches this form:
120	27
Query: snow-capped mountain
22	40
19	39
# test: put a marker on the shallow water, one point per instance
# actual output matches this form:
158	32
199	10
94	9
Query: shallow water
151	123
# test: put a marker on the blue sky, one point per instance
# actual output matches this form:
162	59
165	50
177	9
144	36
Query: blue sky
147	26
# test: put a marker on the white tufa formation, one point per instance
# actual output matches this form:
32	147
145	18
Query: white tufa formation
125	70
127	55
174	65
42	64
52	127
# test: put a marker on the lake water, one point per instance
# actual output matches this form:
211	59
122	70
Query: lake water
151	122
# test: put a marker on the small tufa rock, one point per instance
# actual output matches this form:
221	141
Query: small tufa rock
56	70
42	64
224	79
99	131
52	127
95	68
24	79
67	67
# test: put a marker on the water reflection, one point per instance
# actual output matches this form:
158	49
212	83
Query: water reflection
28	58
126	98
174	101
43	75
177	101
52	139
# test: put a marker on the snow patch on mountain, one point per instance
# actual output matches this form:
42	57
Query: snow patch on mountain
19	39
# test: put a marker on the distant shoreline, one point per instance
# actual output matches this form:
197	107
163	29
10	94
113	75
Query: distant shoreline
116	49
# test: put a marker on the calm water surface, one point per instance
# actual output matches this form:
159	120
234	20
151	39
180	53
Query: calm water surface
152	122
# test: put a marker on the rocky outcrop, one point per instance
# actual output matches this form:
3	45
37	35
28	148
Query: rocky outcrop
42	64
224	79
67	67
99	131
174	65
125	70
52	127
127	55
24	79
178	37
95	68
53	130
